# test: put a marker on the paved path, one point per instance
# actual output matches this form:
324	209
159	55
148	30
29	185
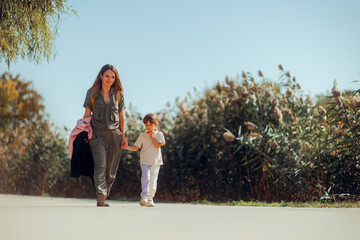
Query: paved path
41	218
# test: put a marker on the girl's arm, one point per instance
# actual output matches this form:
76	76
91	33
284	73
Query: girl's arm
124	142
132	148
156	144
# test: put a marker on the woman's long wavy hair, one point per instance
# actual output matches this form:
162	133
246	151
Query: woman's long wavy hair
97	86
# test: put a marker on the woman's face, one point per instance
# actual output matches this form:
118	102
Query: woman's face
107	78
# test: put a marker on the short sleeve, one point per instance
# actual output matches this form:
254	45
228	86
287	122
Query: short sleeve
160	138
87	102
138	142
122	102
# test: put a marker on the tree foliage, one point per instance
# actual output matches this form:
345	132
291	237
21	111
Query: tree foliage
19	103
33	155
28	28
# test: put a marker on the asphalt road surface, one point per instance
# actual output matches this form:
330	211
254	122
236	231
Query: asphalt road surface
45	218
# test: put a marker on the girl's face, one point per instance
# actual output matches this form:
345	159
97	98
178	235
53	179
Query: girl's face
150	126
107	78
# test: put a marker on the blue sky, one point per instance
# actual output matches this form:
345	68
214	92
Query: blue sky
162	49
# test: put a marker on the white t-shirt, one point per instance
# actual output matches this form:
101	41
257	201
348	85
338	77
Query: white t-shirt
149	154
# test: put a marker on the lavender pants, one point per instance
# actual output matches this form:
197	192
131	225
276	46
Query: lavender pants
149	176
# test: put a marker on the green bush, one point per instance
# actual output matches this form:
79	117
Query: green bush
244	140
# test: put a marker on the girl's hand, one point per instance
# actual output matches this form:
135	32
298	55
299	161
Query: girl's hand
150	133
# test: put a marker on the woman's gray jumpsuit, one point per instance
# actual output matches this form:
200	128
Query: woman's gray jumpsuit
105	143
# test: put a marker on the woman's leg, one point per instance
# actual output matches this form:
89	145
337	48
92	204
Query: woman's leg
98	151
113	154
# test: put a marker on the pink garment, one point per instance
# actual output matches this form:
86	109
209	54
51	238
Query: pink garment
82	124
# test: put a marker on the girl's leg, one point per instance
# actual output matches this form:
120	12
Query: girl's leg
145	179
154	172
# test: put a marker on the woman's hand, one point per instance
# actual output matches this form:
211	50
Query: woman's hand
124	143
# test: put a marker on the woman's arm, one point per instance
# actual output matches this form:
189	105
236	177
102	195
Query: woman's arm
87	112
124	142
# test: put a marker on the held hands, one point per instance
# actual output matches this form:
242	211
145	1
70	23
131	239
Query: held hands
124	143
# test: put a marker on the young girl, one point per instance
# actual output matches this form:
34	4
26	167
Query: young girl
150	158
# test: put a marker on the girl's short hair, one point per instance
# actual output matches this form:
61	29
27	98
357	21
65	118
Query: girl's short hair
150	117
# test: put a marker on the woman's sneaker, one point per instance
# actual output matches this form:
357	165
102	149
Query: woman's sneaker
144	200
150	203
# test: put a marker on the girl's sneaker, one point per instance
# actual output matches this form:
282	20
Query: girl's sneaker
144	200
150	203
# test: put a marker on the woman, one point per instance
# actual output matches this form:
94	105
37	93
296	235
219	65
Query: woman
105	100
